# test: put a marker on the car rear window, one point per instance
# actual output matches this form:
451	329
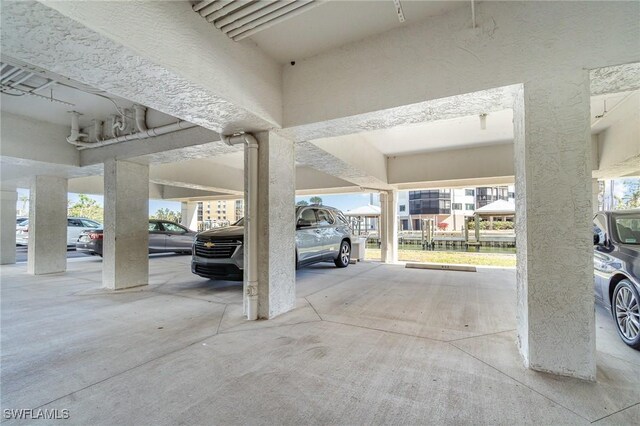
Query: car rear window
628	228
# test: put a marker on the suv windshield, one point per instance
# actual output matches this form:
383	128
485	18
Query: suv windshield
627	228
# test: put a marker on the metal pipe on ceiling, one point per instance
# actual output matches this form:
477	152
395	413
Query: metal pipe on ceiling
22	79
207	10
255	15
198	6
237	4
279	17
231	17
269	17
10	74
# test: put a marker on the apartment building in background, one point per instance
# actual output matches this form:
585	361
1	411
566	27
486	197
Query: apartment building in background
220	212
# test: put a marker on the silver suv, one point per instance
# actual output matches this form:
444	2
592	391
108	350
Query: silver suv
322	235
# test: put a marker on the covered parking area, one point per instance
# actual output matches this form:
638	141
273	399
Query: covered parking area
310	121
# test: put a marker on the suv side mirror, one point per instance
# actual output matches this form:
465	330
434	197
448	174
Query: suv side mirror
599	240
596	239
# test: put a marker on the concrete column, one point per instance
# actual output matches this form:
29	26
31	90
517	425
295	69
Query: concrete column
8	215
126	229
189	214
47	249
276	225
595	192
389	226
555	302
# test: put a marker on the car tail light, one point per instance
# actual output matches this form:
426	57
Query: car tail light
95	236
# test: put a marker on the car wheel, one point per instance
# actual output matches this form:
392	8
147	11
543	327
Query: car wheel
342	261
626	313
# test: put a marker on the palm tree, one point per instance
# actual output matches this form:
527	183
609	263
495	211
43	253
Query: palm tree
302	203
316	200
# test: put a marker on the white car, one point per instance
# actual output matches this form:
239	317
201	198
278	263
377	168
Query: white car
75	226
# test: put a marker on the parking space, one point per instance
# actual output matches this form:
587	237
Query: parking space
372	342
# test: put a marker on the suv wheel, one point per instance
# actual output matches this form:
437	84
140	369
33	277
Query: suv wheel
626	313
342	261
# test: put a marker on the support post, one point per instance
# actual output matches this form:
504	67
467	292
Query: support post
275	225
47	249
389	226
552	149
126	225
476	228
189	215
8	216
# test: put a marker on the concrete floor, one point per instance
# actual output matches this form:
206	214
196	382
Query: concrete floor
368	344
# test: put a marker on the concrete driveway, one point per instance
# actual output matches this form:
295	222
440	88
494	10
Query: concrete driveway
371	343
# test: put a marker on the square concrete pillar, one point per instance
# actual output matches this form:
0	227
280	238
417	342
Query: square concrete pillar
555	301
8	215
276	225
189	215
389	226
126	225
47	249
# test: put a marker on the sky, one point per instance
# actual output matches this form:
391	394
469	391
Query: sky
343	202
154	205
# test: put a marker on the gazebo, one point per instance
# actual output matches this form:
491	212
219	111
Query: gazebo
369	215
498	210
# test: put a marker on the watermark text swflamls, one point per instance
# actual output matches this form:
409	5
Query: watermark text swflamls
37	414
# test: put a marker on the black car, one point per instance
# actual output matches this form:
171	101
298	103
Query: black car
616	264
164	237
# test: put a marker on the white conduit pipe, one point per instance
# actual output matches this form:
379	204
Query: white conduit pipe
157	131
198	6
237	4
294	9
213	7
267	18
231	17
250	220
255	15
141	117
75	129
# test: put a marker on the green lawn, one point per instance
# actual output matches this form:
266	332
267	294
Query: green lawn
450	257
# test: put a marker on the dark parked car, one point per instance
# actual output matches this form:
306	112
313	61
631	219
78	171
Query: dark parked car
322	235
164	237
616	264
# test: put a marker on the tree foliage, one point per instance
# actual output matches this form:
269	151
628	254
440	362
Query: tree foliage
302	203
86	207
166	214
631	197
316	200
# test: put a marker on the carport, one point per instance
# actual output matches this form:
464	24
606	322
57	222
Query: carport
508	98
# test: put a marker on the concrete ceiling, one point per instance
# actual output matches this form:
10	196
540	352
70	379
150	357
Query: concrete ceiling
439	135
336	23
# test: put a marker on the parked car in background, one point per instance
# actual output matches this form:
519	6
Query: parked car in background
616	262
322	235
75	226
164	237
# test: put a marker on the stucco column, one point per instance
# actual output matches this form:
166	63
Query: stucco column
595	195
126	230
8	201
389	226
555	301
189	215
47	249
276	225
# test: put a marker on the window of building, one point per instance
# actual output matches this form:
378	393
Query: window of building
456	206
469	192
402	208
469	207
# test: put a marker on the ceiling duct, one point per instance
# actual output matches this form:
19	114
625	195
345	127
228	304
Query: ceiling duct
239	19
